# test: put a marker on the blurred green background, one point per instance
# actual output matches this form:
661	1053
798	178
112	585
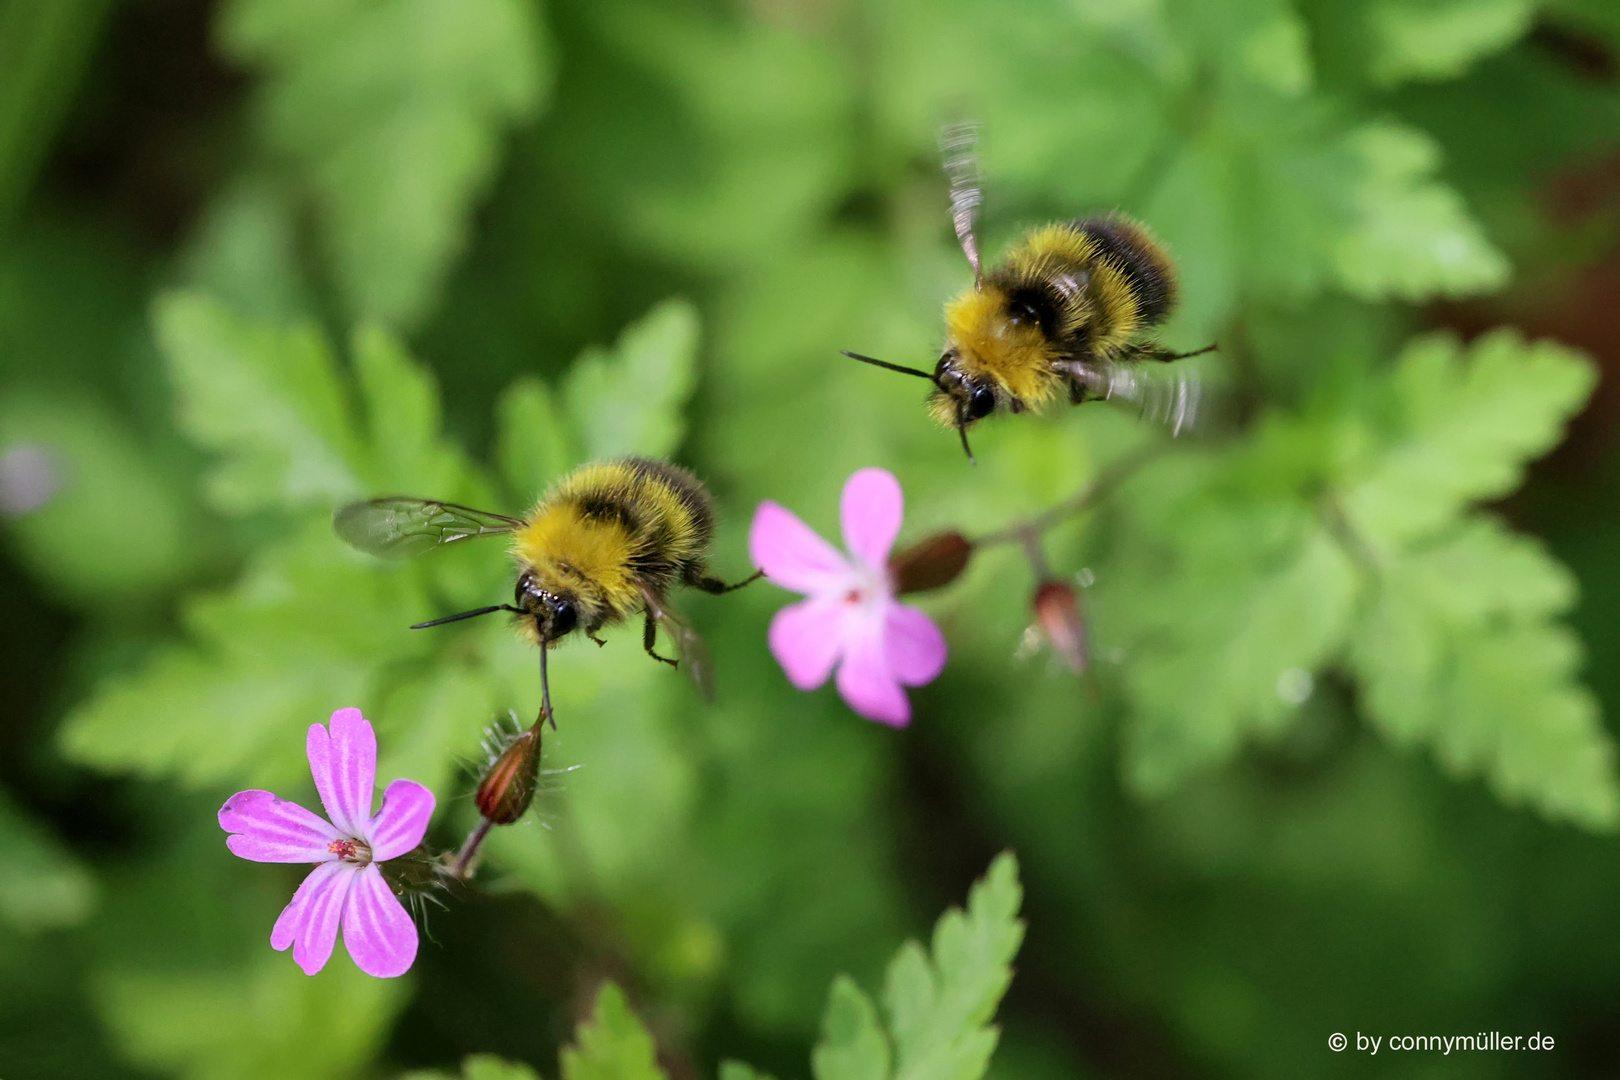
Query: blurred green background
1342	765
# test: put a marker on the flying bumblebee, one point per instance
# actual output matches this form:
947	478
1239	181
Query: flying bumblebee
1060	317
606	541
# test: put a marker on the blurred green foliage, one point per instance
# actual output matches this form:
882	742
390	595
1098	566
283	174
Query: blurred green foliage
1342	762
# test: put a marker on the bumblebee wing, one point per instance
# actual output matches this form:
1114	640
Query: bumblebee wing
958	144
1172	396
694	653
397	527
688	642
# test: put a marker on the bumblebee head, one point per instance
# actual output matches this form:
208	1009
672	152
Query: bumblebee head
961	396
554	614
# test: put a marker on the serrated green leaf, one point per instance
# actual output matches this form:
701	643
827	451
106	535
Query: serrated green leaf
630	400
408	454
271	1022
537	438
267	400
395	111
852	1044
611	1044
1466	423
940	1005
300	635
44	886
1411	237
1461	653
1439	39
1239	600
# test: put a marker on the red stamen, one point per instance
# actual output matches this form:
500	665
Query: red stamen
344	849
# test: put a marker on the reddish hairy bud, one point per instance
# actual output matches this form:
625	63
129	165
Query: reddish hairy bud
931	563
508	786
1057	610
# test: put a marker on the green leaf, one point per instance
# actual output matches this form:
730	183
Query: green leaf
44	887
301	634
1462	652
736	1070
88	469
1261	605
1439	39
270	1022
1411	237
402	408
395	112
480	1067
940	1002
630	400
267	400
852	1044
1464	424
611	1044
537	438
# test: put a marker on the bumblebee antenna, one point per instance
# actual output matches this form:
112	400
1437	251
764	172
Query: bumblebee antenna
886	364
465	615
957	143
545	688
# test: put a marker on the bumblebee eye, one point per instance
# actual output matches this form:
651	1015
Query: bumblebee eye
563	618
981	404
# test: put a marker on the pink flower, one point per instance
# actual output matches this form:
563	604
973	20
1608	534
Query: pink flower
850	619
346	886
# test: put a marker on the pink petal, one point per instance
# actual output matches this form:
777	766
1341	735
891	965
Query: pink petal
870	510
376	929
791	554
402	821
271	829
805	639
310	922
345	767
867	683
916	647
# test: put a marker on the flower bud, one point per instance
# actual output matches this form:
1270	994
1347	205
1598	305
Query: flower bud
508	787
1057	610
930	563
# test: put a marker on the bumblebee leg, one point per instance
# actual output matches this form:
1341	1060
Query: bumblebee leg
599	641
649	639
716	587
1148	351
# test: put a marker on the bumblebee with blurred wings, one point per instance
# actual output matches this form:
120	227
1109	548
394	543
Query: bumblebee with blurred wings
1060	317
606	541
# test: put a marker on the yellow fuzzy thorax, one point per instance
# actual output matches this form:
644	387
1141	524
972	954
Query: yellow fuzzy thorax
567	551
987	342
590	557
1107	306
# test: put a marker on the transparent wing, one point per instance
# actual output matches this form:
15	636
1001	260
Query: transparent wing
688	643
1171	395
958	144
694	654
397	527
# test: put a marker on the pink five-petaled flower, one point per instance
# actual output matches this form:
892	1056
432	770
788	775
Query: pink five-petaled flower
346	886
850	617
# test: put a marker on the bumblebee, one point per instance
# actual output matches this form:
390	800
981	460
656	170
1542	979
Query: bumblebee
1061	317
608	540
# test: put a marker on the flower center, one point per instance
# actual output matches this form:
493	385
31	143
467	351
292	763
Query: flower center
355	851
866	586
